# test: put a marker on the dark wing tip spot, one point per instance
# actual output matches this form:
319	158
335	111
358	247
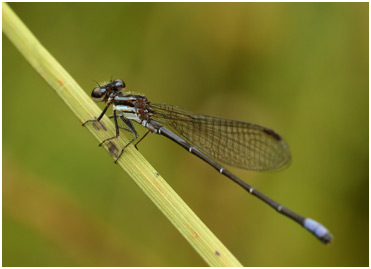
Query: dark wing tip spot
273	134
217	253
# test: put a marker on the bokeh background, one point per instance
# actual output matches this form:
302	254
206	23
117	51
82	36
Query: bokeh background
301	69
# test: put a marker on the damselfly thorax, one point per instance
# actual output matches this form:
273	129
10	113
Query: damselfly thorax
132	107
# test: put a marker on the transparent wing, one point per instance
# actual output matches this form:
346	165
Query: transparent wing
236	143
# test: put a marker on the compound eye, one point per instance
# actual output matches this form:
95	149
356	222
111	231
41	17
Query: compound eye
98	94
119	84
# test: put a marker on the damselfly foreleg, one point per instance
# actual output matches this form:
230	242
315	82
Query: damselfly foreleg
100	116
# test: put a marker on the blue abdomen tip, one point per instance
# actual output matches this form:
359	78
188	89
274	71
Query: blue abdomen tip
318	230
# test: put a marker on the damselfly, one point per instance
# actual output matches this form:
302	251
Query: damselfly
239	144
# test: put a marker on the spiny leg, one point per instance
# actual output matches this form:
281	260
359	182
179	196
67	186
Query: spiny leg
141	139
116	128
126	129
123	149
132	130
100	116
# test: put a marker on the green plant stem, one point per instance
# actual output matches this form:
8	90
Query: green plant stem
153	185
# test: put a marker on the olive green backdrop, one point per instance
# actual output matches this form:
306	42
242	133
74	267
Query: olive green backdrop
301	69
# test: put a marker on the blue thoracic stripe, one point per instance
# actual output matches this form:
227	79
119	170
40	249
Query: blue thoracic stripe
126	109
125	98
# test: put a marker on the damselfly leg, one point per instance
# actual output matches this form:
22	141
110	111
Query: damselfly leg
130	129
100	116
136	144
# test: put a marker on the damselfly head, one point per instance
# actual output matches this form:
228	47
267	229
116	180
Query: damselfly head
99	93
102	93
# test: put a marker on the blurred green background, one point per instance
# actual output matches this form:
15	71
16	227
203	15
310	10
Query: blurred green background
301	69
